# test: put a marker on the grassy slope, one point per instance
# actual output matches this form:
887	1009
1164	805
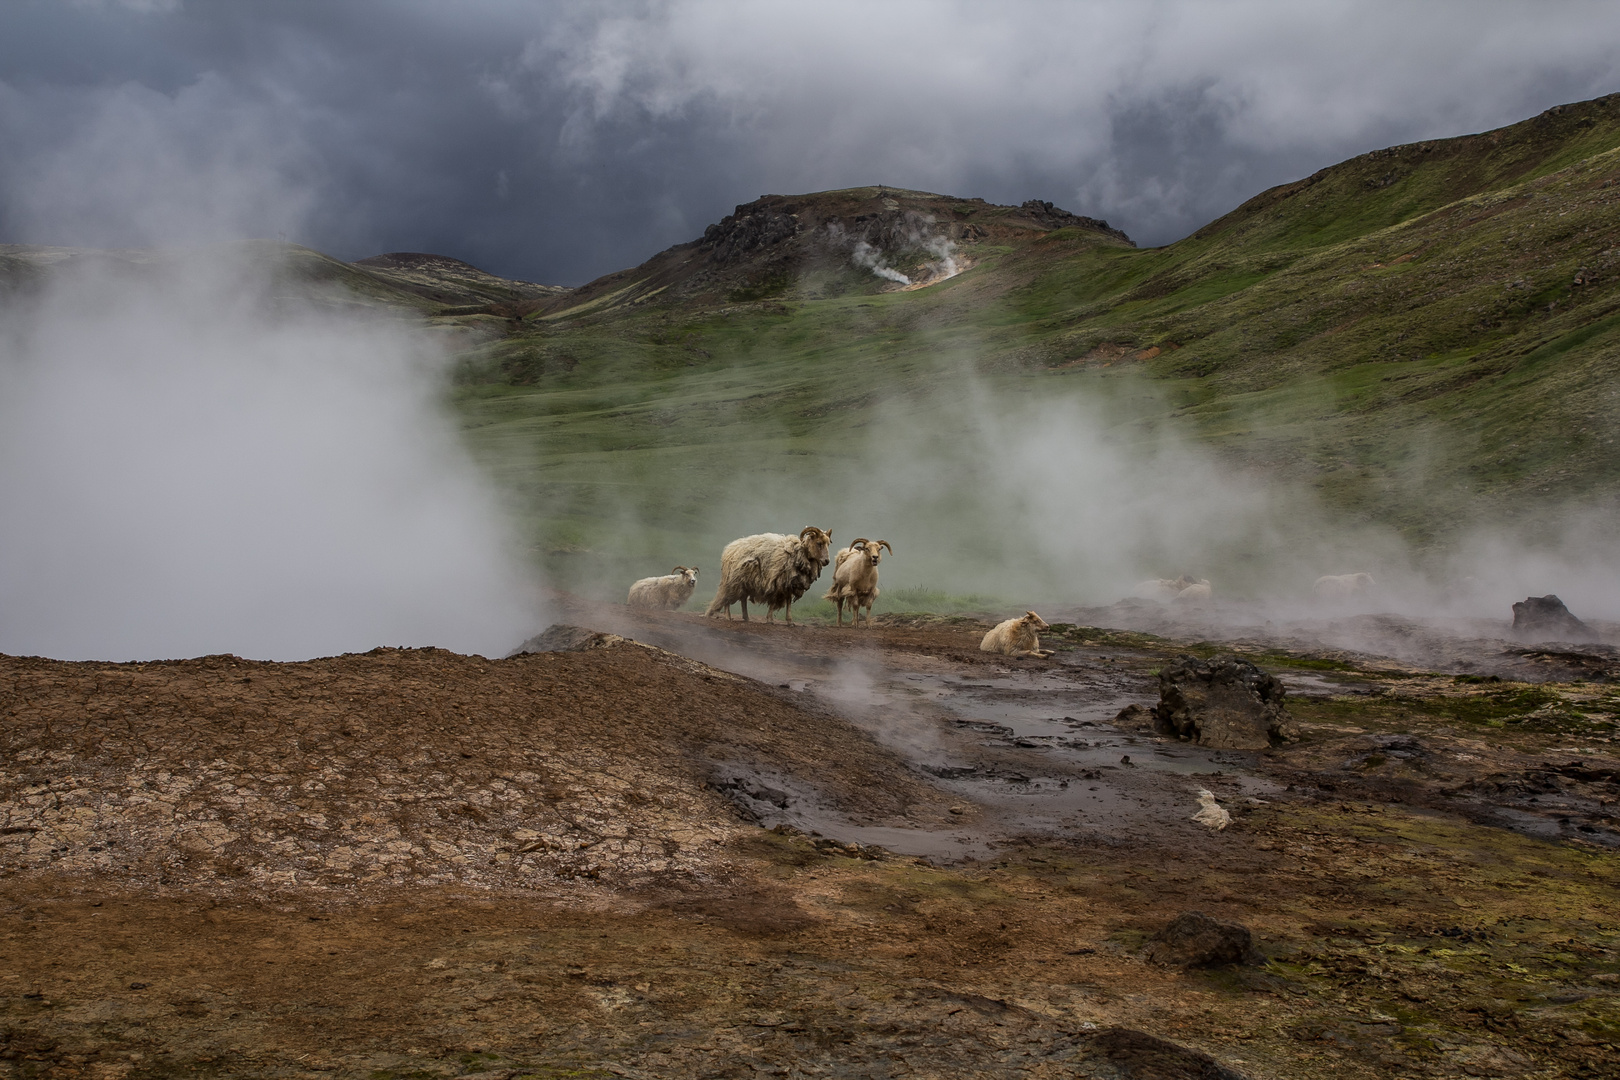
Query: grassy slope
1402	331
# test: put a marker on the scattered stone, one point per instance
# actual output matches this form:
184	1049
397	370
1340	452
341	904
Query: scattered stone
1545	618
560	637
1193	939
1224	702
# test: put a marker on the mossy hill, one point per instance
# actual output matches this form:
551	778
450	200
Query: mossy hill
1425	335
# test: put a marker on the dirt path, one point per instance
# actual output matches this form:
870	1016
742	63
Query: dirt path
794	851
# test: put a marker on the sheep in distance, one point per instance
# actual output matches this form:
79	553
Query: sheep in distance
667	593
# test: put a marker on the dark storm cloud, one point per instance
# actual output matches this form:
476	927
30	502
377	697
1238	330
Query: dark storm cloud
561	141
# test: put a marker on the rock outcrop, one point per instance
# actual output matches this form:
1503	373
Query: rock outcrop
1193	939
1545	618
1223	702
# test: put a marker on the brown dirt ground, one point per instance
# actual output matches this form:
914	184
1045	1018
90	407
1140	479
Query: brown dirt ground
413	863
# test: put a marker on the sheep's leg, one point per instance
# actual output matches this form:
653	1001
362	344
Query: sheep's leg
745	608
840	602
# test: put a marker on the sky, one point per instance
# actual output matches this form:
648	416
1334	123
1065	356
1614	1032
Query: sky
556	142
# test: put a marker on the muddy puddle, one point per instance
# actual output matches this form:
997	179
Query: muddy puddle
1032	754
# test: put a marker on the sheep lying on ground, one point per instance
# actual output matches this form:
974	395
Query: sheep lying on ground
855	578
1172	588
1017	637
1210	812
1197	592
1342	586
666	593
770	569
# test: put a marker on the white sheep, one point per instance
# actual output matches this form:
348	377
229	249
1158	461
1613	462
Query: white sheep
1342	586
1017	637
855	578
1210	812
1163	589
1196	593
770	569
667	593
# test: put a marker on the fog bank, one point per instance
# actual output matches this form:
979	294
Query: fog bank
194	461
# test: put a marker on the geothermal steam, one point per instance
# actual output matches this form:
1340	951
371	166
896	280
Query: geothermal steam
193	461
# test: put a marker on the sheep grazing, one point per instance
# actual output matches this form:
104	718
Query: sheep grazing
855	578
770	569
667	593
1342	586
1017	637
1210	812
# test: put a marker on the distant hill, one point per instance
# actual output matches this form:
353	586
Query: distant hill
1427	335
452	282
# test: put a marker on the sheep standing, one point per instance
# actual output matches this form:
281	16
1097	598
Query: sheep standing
855	578
1017	637
770	569
667	593
1342	586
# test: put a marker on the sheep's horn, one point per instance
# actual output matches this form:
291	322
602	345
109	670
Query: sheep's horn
862	542
807	530
677	570
885	543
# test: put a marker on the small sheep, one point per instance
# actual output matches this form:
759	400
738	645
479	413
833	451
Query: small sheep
1163	589
1196	593
1017	637
855	578
1342	586
667	593
1209	812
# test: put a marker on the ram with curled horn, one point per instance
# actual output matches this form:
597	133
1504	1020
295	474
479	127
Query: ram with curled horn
770	569
666	593
855	578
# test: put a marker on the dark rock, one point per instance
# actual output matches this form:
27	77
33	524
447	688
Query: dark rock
1126	1054
1054	217
1193	939
1134	718
560	637
1545	618
1223	702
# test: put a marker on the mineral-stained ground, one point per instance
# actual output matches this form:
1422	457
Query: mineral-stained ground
727	849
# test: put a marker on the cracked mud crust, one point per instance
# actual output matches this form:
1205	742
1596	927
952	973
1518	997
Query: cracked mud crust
413	863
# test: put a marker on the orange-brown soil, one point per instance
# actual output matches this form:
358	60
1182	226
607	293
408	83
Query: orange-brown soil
413	863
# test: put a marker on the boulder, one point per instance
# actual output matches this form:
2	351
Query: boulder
1222	702
1193	939
1545	618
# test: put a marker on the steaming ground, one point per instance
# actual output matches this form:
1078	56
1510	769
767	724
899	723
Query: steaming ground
196	458
418	862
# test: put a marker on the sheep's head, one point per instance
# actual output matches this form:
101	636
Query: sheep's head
874	549
1034	621
1365	581
688	574
817	542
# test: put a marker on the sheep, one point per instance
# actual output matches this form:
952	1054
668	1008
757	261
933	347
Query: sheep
1196	593
1172	589
855	578
667	593
1017	637
770	569
1210	812
1342	586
